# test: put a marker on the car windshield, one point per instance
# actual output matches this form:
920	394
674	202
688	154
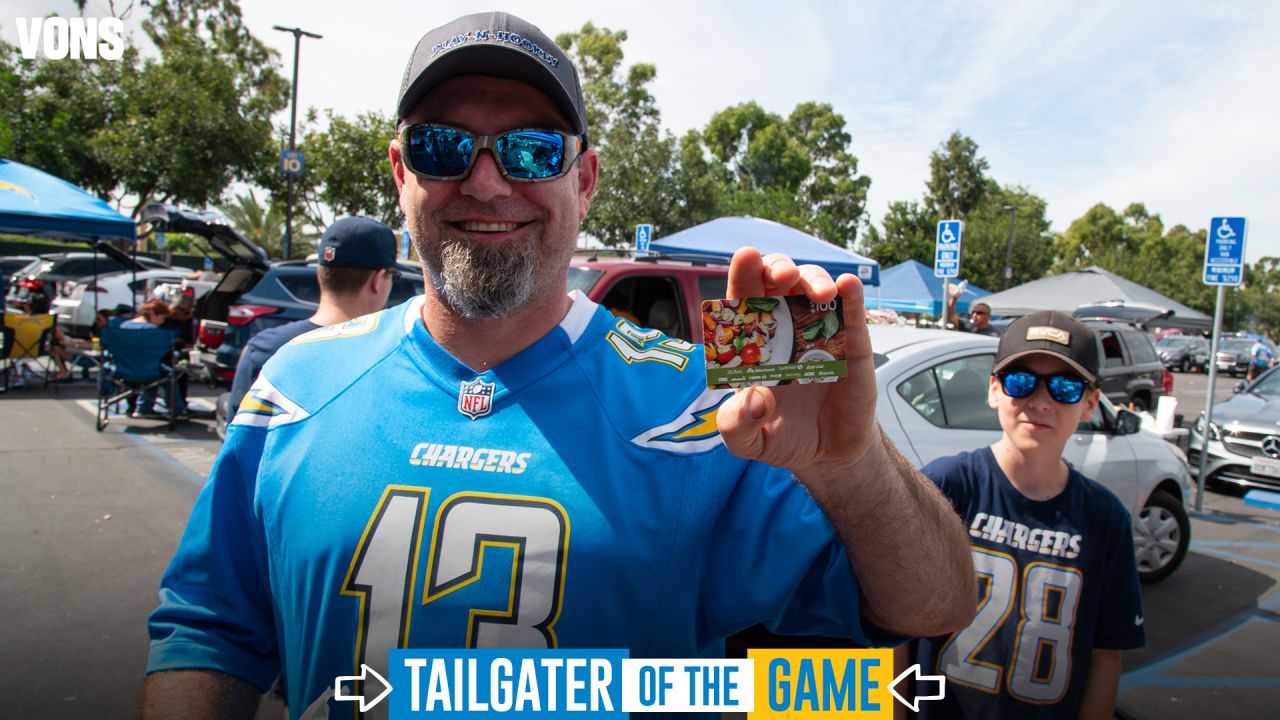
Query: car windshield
583	279
1235	345
1176	342
1267	386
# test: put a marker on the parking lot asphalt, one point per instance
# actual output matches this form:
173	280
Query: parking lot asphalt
90	520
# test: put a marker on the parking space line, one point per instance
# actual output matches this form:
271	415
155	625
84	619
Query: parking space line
1150	673
155	449
1214	682
1233	543
1222	520
1240	557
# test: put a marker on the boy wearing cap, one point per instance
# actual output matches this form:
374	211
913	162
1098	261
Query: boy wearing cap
356	272
1053	550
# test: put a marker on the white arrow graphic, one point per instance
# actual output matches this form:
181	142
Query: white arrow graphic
365	670
914	671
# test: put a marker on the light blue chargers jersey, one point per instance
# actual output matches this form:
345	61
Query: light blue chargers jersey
373	493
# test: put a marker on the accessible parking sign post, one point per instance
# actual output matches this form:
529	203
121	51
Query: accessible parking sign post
1223	266
946	258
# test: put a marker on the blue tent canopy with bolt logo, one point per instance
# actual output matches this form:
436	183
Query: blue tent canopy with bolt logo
33	202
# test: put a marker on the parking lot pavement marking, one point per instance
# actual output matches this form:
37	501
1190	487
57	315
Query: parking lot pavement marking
1240	557
1152	672
1233	543
1223	520
193	458
1263	498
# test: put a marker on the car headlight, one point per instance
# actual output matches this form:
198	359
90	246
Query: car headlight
1164	355
1214	432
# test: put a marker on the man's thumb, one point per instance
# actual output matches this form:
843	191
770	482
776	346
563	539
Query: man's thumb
741	421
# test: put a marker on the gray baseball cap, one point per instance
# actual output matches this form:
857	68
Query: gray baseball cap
499	45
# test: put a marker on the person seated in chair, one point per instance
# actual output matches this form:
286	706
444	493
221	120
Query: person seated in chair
39	304
152	315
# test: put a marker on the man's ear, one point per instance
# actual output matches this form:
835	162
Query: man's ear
993	393
397	164
380	280
588	173
1092	397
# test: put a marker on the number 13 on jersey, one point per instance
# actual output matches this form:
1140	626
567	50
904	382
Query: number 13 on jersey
384	570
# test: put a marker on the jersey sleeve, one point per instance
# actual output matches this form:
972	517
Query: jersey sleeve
215	610
951	476
773	558
247	369
1120	618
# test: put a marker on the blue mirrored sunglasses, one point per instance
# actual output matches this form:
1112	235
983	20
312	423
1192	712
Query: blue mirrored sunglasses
439	152
1063	387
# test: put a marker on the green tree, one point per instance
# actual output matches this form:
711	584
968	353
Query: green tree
178	127
261	224
987	246
638	177
957	178
1260	297
348	171
798	171
909	234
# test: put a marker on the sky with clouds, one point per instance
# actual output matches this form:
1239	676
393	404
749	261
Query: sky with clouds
1171	104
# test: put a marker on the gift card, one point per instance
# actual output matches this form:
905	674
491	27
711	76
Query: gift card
773	341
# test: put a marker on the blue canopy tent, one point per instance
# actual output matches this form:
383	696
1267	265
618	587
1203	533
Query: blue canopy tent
33	202
911	287
718	239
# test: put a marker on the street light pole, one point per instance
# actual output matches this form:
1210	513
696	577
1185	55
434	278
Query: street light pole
293	125
1008	250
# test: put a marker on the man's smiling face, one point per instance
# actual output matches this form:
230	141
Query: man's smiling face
490	244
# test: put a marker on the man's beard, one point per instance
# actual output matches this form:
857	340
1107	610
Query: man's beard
479	280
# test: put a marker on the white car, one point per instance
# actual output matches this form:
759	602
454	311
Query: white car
75	310
932	402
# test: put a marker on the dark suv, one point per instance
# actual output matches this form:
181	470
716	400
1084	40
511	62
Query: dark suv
1184	353
1131	372
253	294
289	291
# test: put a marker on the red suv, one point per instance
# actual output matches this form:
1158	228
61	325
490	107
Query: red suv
664	295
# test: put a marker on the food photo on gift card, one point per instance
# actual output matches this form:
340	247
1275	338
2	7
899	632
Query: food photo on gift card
775	340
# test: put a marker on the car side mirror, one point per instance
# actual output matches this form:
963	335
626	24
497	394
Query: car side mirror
1239	387
1127	423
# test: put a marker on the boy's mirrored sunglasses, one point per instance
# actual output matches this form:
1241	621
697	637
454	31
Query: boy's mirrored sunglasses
1066	388
439	152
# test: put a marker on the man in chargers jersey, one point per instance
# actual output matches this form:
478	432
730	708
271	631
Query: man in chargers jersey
1058	588
502	464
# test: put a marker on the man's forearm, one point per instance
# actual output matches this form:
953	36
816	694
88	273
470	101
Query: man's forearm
197	695
908	547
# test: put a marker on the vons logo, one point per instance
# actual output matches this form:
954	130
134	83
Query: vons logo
59	38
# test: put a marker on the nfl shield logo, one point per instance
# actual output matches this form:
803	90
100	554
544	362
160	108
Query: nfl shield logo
328	254
475	398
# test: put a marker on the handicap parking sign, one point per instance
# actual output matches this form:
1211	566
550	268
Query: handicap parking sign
946	255
1224	252
643	234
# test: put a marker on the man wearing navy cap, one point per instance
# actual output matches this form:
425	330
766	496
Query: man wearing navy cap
356	271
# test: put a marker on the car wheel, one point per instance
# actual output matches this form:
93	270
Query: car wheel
1186	365
1140	403
1161	535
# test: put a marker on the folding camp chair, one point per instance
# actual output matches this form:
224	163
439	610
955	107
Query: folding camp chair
26	337
137	360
